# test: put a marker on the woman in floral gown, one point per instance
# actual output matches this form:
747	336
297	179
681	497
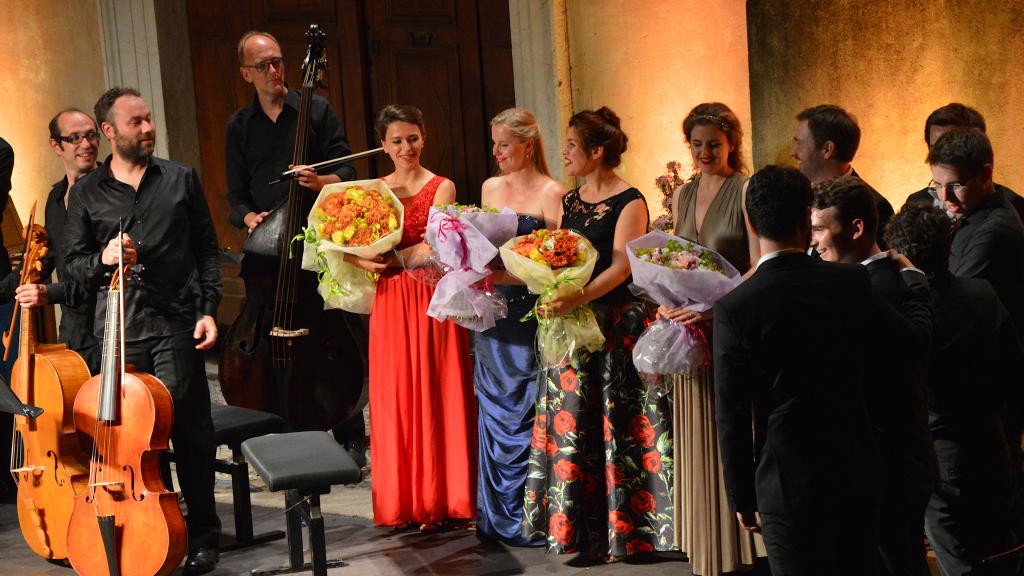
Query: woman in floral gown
600	472
422	417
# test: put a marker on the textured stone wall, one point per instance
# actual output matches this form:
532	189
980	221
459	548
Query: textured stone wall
890	64
53	59
651	62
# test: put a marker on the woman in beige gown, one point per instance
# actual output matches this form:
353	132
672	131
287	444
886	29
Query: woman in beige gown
709	210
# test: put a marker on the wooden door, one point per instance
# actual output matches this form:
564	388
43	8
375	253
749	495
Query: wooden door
429	53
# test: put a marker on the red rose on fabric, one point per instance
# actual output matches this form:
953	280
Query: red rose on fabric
561	529
540	434
628	342
569	381
638	546
607	429
566	470
652	462
621	524
550	446
642	502
612	476
642	430
564	423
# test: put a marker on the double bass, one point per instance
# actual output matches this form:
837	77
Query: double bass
47	461
284	353
125	522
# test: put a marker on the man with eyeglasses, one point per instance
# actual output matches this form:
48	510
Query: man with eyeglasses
259	145
955	116
75	140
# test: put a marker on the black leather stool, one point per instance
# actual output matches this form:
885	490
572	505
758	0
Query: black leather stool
232	426
304	465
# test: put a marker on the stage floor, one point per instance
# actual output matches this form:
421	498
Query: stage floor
367	550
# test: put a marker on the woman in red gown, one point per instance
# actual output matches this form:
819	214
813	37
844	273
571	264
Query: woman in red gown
422	412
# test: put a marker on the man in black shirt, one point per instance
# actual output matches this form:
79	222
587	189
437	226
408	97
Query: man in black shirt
75	140
258	147
170	241
7	486
954	116
824	144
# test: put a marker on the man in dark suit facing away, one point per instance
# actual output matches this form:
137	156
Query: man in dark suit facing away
844	221
975	369
789	352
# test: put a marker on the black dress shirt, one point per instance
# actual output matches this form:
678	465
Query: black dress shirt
989	244
6	169
169	221
258	150
78	306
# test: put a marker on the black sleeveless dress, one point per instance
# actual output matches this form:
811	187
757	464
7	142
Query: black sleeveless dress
599	478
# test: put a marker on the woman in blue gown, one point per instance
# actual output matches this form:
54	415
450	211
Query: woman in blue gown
505	369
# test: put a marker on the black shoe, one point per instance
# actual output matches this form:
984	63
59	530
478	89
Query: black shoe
202	561
357	450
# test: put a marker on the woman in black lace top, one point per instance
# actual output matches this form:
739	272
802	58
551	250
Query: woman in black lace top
600	470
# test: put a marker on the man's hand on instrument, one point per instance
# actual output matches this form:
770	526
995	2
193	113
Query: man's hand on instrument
308	178
109	255
31	295
252	220
206	328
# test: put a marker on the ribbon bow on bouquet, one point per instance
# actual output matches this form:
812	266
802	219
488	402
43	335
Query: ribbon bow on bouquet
462	237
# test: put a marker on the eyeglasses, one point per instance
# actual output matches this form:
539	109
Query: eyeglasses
263	66
953	187
74	138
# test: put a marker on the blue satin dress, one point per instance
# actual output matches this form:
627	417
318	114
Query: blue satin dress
505	377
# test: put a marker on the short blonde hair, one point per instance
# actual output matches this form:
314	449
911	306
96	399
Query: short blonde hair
524	126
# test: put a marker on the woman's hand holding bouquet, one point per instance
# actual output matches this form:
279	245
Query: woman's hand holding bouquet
557	265
350	232
465	239
685	280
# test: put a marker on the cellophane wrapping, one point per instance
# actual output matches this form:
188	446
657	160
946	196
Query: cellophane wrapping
558	337
668	347
465	242
344	285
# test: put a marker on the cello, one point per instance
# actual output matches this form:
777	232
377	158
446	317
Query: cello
46	460
284	353
125	522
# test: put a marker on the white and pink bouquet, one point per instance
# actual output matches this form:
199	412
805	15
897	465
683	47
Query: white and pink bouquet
466	239
676	273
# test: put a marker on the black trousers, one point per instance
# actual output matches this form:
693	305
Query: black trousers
901	534
969	517
832	539
175	361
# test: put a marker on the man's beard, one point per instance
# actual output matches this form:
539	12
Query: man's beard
136	152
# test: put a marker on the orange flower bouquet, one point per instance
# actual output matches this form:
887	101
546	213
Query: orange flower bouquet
363	218
553	264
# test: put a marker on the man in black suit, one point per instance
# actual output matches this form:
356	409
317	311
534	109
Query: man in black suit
975	369
807	476
843	226
824	144
954	116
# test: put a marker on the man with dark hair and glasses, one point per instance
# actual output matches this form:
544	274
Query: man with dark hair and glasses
956	116
75	140
259	144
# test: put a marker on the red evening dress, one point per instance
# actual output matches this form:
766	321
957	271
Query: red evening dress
422	411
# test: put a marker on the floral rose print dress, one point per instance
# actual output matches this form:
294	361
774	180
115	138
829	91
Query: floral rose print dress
599	477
